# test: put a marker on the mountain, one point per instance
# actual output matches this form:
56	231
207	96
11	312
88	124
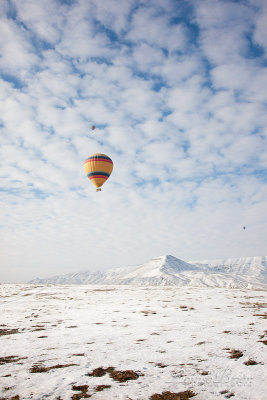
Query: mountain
244	272
250	268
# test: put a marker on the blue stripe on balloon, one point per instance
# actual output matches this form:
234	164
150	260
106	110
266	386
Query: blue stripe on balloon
98	173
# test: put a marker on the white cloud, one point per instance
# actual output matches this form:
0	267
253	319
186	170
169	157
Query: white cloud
17	53
112	15
45	18
187	139
155	29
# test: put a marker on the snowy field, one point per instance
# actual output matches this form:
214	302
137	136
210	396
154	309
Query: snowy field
132	343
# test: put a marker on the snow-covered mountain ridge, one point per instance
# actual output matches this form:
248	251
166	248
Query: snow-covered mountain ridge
243	272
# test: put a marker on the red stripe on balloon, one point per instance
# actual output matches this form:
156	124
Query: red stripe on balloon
98	159
98	176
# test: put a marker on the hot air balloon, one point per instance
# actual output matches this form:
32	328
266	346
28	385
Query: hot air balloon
93	127
98	168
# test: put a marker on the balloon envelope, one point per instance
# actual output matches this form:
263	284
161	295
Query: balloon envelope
98	168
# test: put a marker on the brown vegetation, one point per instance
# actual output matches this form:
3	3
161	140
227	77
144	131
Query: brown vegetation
123	376
229	395
235	353
99	388
78	396
204	373
81	388
251	362
40	368
8	331
264	315
120	376
187	394
147	312
99	371
10	359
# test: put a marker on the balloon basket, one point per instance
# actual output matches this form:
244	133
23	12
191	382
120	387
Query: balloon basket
98	190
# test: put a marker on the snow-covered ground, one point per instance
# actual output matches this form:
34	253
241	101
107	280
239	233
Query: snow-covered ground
173	339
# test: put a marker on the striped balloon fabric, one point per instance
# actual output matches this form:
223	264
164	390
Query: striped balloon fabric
98	168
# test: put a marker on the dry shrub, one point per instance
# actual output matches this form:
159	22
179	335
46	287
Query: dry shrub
98	372
229	395
253	305
160	365
187	394
81	388
236	353
147	312
99	388
120	376
123	376
40	368
251	362
8	331
263	316
10	359
78	396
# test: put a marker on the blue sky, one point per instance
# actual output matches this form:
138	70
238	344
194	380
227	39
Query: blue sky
177	92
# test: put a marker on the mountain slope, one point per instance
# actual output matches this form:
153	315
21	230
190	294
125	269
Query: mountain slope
250	268
244	272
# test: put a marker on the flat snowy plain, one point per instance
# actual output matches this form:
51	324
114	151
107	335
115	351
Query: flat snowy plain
174	339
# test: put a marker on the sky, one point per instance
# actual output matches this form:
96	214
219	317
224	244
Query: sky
177	93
